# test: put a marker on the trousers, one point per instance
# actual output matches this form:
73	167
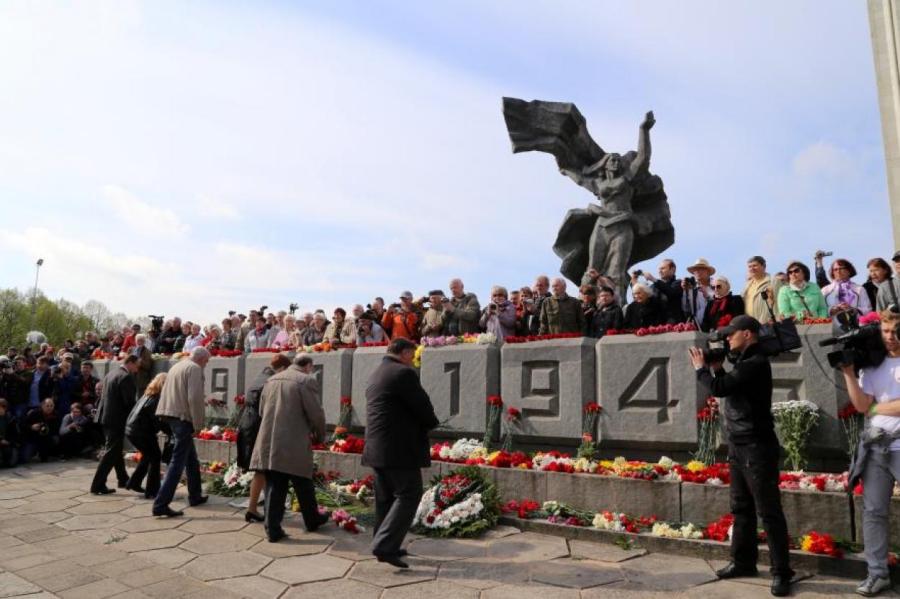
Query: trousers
754	491
397	495
149	465
882	468
276	494
113	458
184	460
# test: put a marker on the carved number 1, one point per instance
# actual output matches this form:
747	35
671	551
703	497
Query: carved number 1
452	368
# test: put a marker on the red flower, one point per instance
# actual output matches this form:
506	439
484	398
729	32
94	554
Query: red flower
495	400
239	400
593	408
848	411
345	401
513	413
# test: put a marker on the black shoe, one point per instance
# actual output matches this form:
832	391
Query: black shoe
393	560
136	488
732	570
253	517
781	585
103	491
277	536
402	552
167	512
122	485
323	519
200	501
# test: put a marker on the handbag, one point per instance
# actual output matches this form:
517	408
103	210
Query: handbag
779	336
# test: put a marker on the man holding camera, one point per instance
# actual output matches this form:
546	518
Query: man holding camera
877	460
461	310
667	287
752	451
400	320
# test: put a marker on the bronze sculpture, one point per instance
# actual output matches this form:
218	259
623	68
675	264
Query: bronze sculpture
632	222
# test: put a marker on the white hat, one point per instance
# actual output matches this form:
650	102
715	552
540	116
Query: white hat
701	263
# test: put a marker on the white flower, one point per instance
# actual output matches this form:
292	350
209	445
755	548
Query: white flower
666	462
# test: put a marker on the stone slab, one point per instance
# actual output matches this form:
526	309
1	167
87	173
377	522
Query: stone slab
648	390
703	504
514	483
458	379
254	365
575	574
365	361
823	512
334	371
223	379
215	451
550	382
311	568
636	497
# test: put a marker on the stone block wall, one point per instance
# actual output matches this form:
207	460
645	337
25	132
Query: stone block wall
458	379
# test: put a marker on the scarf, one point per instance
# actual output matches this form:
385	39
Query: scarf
847	294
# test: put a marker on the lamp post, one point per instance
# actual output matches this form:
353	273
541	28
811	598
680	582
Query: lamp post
37	271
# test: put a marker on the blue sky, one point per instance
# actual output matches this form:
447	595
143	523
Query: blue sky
193	158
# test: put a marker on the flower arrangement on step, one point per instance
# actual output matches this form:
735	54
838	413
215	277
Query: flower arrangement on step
463	503
800	481
589	432
218	433
360	490
232	482
343	520
225	353
344	419
495	408
133	456
530	338
794	420
708	439
683	327
457	452
344	442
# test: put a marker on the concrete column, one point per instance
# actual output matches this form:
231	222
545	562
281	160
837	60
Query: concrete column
884	24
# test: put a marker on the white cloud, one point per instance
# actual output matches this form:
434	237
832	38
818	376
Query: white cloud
141	217
217	209
824	159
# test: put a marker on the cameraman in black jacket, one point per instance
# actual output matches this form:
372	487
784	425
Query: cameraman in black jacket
752	451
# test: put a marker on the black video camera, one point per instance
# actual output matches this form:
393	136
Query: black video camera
861	346
156	322
293	308
690	281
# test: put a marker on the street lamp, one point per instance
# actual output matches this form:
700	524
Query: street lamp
37	271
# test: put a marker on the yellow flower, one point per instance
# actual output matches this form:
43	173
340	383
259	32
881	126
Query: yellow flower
806	543
695	466
492	456
417	358
478	453
606	464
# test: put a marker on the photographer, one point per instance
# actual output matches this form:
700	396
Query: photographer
41	432
752	451
697	290
499	317
462	311
843	295
368	330
9	436
433	320
74	432
400	320
877	460
668	288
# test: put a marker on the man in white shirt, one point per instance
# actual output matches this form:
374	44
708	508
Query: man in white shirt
878	460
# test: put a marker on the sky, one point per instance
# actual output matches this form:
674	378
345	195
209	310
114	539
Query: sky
192	158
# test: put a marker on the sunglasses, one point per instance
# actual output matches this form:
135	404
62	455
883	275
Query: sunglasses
794	271
718	286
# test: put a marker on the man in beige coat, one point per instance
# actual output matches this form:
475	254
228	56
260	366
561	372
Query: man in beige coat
182	404
291	414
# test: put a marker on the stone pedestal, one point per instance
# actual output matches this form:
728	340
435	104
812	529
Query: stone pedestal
551	382
365	361
223	379
458	379
334	372
648	390
631	496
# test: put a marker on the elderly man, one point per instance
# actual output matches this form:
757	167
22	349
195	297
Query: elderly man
348	332
462	312
433	321
182	406
561	313
668	288
368	330
761	291
399	415
541	291
291	414
118	397
400	320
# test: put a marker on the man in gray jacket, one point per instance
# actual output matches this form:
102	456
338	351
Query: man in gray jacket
461	312
182	405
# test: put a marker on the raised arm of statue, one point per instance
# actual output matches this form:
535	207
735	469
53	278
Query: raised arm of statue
641	162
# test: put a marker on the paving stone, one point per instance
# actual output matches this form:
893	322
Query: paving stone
498	532
176	586
6	494
434	588
334	588
603	552
530	591
95	590
765	577
51	505
384	575
222	542
826	586
226	565
483	573
93	522
12	585
17	561
306	544
101	536
575	574
310	568
8	504
8	541
125	565
52	517
727	589
41	534
214	524
148	523
68	546
257	587
19	524
631	590
528	547
170	558
55	581
447	549
668	572
94	556
208	510
145	576
351	546
91	498
100	507
211	592
60	568
160	539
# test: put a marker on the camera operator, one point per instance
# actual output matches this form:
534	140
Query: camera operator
878	457
400	320
752	451
499	316
368	330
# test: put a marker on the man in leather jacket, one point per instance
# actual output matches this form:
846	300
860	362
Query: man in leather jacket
752	451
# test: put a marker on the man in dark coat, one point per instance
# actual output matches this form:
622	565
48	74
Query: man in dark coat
752	451
399	415
118	397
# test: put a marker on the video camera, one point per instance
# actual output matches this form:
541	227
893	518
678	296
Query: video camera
156	322
293	308
860	346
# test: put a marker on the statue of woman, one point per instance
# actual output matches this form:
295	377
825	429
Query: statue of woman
632	222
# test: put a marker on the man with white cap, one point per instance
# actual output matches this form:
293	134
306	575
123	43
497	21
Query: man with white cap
697	292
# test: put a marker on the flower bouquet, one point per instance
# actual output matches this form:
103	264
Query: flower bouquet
588	447
513	422
619	522
852	423
360	490
460	451
530	338
794	420
525	509
708	441
233	482
560	513
348	444
495	407
218	433
463	503
344	420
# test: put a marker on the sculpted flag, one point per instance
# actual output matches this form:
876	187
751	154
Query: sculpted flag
558	128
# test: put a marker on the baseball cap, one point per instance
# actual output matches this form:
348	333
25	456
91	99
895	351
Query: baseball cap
742	322
406	294
896	256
